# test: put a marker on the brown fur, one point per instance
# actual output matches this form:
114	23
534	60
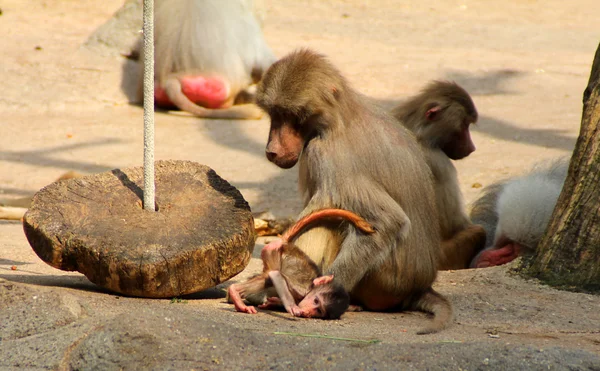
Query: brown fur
209	38
354	156
297	269
440	117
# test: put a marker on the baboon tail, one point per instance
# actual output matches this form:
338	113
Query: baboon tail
434	303
240	112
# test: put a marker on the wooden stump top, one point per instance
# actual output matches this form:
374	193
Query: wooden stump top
201	235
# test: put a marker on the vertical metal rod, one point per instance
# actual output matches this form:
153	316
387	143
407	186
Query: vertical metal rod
149	186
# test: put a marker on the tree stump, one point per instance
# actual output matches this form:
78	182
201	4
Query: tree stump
201	234
568	256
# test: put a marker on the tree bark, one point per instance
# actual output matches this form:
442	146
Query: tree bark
568	255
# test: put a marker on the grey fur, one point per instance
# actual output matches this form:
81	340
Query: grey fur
520	208
209	38
357	157
446	128
484	210
184	43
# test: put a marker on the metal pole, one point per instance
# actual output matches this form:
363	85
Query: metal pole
149	186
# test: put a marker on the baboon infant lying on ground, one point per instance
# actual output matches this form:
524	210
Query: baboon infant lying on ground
290	278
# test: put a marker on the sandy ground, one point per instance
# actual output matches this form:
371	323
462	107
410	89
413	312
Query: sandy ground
526	64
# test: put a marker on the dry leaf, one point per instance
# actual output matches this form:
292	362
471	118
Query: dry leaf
265	224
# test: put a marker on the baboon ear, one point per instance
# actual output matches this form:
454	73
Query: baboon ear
323	280
335	92
433	112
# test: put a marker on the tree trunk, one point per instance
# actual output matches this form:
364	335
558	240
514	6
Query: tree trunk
569	254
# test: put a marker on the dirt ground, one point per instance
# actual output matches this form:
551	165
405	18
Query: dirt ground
525	62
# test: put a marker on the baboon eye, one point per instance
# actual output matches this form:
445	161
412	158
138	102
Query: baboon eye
316	301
